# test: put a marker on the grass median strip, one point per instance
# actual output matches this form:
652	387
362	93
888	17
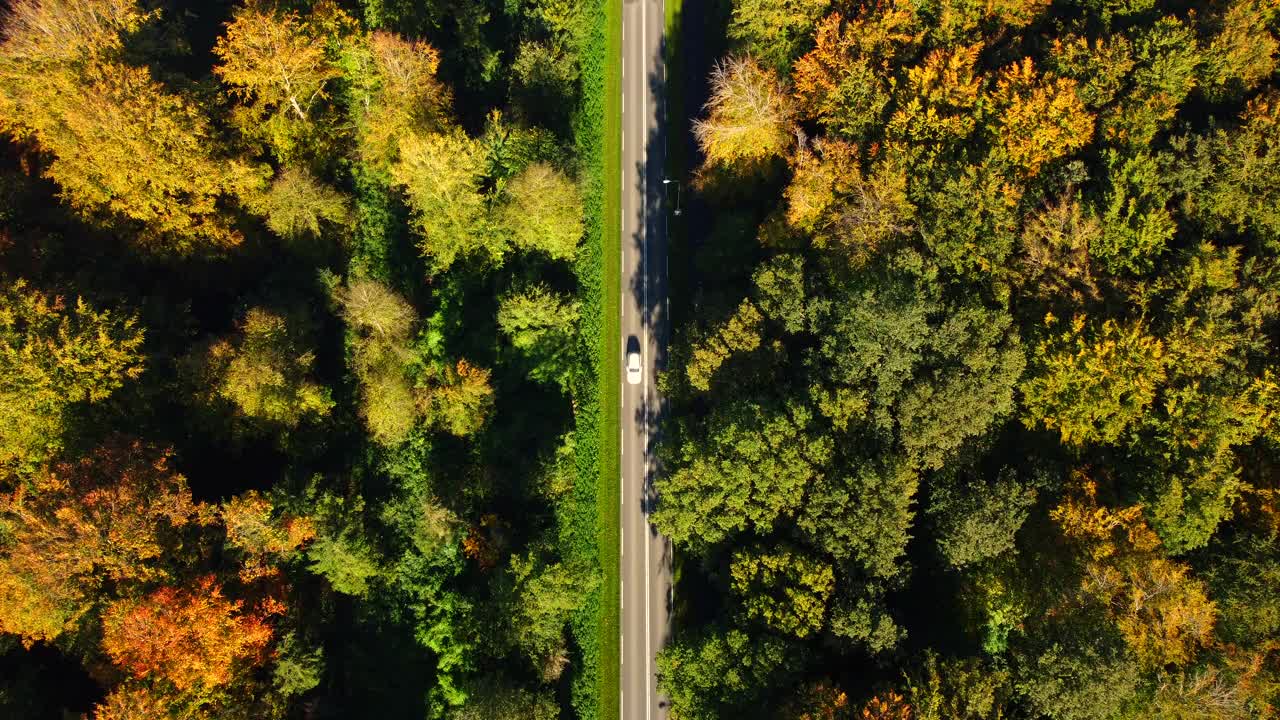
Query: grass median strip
610	363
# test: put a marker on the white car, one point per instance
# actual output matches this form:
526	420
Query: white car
634	370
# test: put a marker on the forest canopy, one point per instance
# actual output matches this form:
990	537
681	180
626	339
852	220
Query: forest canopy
974	406
298	327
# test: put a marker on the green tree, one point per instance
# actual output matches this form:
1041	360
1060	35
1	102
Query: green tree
775	31
934	377
296	205
750	470
965	387
720	672
1076	682
264	371
957	689
970	221
786	590
544	80
863	618
1100	66
492	698
543	212
1136	223
299	667
53	356
1167	61
864	514
1239	171
980	521
344	559
779	290
542	324
545	598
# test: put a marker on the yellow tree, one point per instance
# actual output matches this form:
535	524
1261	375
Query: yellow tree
740	333
278	66
265	535
1243	51
382	323
749	115
887	706
1055	250
441	174
119	141
820	700
133	701
265	372
51	31
937	101
1163	613
460	401
396	93
842	207
843	80
786	590
1094	386
298	205
1041	117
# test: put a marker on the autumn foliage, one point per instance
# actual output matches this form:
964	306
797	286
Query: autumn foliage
750	117
120	142
889	706
193	637
1043	118
1163	613
111	518
133	702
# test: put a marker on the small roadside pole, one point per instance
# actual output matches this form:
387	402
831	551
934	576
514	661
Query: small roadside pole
668	181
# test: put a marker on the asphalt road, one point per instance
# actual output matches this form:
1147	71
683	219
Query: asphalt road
646	556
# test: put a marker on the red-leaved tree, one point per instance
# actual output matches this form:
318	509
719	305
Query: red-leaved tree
194	638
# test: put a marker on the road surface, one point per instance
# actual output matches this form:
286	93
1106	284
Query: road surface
646	556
